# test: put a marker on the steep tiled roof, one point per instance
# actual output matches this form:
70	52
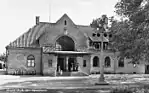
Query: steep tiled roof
29	38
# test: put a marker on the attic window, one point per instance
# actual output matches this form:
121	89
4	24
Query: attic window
105	35
98	34
110	35
65	22
93	34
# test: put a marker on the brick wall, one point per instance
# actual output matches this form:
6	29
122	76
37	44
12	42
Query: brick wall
17	60
49	69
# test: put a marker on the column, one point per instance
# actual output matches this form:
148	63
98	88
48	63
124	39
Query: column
115	63
55	65
91	63
67	63
80	61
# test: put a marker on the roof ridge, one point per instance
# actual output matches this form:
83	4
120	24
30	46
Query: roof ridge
83	25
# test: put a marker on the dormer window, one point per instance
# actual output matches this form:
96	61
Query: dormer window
98	34
105	35
65	22
93	34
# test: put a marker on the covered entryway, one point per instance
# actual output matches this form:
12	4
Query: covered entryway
66	56
67	63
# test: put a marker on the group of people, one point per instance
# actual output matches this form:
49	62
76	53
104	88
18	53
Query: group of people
71	67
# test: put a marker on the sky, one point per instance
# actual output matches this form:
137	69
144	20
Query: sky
17	16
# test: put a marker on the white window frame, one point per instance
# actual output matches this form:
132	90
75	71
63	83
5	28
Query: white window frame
31	61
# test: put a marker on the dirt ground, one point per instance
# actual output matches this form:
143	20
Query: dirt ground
86	84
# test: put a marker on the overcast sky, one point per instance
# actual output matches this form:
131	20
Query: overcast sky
17	16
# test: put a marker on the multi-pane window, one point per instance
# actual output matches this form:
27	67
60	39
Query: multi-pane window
105	45
95	61
107	62
121	62
50	63
97	45
31	61
84	63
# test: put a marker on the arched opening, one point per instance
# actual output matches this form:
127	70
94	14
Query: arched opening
65	43
121	62
95	61
107	62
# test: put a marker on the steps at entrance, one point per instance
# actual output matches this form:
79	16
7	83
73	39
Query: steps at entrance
72	74
78	74
64	74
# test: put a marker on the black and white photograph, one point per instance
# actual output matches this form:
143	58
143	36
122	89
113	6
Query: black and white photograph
74	46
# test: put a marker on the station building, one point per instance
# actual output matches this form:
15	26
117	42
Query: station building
50	48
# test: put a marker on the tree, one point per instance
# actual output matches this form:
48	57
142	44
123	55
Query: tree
131	36
3	57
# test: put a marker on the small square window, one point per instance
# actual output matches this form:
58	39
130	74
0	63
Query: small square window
50	63
84	63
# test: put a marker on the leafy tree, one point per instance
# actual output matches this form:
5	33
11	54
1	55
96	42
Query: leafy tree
131	36
3	57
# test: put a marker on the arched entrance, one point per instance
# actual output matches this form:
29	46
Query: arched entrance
65	62
65	43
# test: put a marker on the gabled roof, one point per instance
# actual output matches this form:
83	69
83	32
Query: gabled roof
29	38
65	17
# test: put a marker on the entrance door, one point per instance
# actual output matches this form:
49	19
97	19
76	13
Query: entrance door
72	64
61	64
146	69
67	65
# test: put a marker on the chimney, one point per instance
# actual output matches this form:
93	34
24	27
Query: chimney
37	20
